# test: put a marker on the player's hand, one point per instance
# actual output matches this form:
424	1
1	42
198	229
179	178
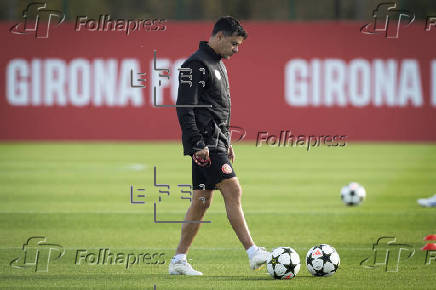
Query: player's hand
231	154
201	157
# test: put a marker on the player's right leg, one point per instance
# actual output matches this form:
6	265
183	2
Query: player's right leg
201	200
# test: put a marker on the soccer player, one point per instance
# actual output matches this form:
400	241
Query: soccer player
204	118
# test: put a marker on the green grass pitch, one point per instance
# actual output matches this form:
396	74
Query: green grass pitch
77	195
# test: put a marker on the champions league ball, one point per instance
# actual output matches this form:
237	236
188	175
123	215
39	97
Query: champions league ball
283	263
353	194
322	260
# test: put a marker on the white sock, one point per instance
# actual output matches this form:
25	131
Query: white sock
251	251
179	257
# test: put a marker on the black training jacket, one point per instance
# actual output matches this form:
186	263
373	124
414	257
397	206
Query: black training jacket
207	84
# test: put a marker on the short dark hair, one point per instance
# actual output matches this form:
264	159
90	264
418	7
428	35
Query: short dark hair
229	25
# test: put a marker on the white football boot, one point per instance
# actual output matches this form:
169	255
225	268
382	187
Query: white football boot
182	267
428	202
259	258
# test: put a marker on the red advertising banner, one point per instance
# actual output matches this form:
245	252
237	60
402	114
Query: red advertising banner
83	81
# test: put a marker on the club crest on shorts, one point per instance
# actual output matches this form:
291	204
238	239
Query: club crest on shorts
226	169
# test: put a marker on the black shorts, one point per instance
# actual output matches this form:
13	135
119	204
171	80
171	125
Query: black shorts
207	177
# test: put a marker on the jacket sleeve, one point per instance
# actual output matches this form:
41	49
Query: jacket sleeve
189	93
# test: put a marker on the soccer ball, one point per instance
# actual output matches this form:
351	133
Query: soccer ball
353	194
322	260
283	263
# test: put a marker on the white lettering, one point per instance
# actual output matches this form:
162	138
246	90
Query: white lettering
334	82
126	91
359	70
105	81
79	77
175	79
159	82
410	84
296	82
17	85
54	83
315	74
36	82
385	79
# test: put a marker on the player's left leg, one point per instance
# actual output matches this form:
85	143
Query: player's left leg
232	192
